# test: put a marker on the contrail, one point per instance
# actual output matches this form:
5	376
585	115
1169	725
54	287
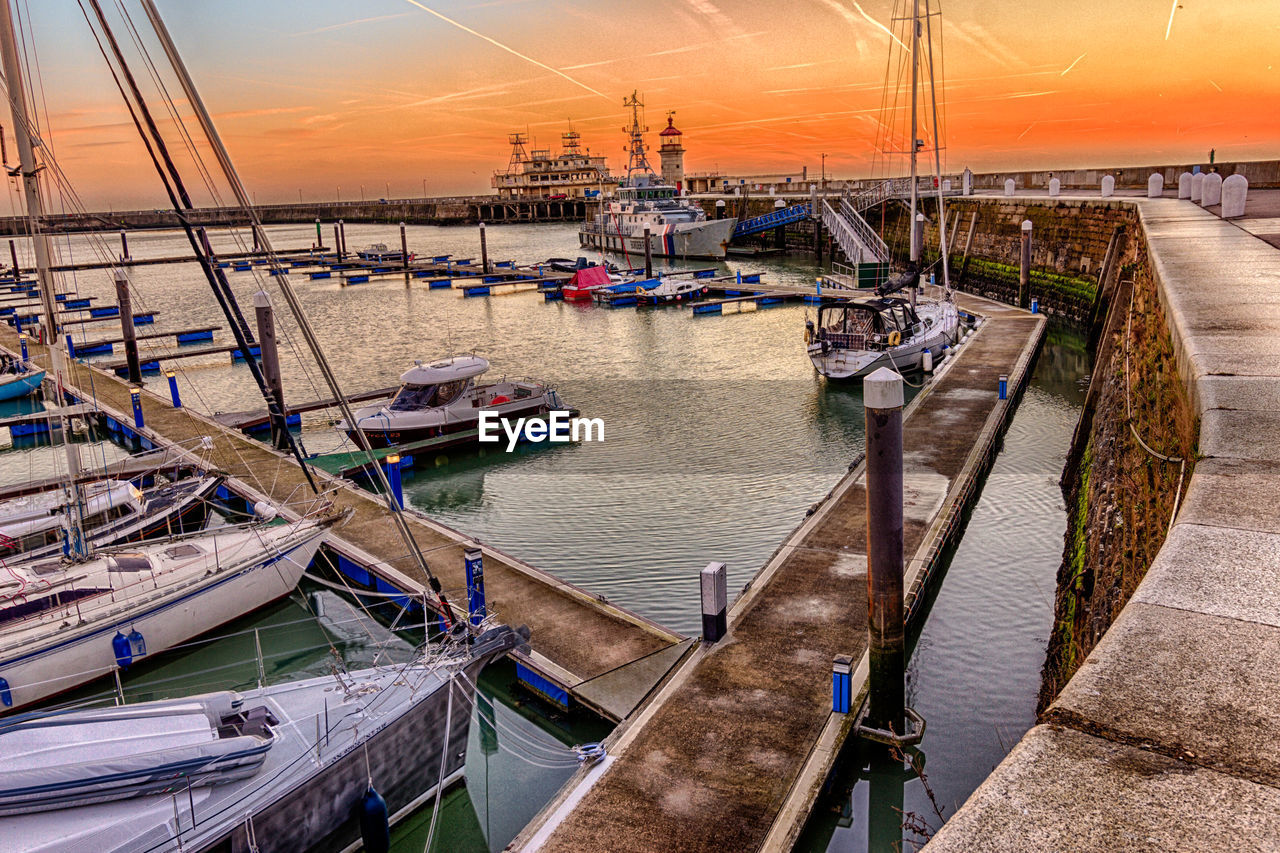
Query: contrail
509	50
1169	28
878	24
1073	65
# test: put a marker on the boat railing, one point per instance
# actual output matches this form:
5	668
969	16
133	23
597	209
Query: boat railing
844	340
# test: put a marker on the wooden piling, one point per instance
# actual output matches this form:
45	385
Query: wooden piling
126	328
648	255
404	247
1024	265
484	251
13	255
124	245
271	366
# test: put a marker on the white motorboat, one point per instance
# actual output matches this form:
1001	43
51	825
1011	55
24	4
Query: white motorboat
443	397
64	623
670	290
286	767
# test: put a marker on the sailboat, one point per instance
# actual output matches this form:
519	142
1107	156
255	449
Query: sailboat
68	621
857	335
18	378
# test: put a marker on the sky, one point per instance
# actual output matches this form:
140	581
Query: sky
328	99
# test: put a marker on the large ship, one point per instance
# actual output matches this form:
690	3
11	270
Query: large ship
677	227
536	174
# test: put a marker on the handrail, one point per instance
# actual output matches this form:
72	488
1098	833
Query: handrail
854	235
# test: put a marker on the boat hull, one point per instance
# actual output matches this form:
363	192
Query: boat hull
705	239
36	671
850	364
383	432
16	385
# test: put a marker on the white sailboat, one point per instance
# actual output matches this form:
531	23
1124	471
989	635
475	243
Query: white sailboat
855	336
70	621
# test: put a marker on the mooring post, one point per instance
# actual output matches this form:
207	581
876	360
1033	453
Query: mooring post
319	237
404	247
715	601
173	388
883	399
473	559
648	255
124	245
270	359
342	235
841	684
135	397
391	467
484	252
1024	266
1035	305
126	327
13	254
22	342
337	242
1004	387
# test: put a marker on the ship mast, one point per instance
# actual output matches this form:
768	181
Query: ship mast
937	156
636	158
44	277
914	144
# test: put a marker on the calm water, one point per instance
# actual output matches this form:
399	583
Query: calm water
718	436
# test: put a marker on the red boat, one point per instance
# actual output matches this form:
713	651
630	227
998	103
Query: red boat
584	282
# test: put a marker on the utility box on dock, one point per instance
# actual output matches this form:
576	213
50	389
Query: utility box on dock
714	601
474	563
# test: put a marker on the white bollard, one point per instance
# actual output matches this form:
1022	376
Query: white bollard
1054	186
1008	186
1184	185
1235	189
715	601
1197	183
968	181
1108	186
946	185
1155	185
1211	190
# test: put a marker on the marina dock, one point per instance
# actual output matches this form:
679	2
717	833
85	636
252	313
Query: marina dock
585	650
730	754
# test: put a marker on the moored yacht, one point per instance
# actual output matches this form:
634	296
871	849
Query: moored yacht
443	397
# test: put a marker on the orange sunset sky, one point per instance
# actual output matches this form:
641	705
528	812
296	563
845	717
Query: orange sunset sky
322	97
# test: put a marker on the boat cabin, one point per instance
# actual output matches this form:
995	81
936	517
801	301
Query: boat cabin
437	384
867	322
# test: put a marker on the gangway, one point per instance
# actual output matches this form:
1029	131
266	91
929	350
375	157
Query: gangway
774	219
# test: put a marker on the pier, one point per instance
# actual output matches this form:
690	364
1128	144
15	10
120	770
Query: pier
731	752
1164	738
586	651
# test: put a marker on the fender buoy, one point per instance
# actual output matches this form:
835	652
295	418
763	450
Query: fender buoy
499	400
895	338
375	827
808	336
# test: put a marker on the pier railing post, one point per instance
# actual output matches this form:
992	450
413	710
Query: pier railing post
473	559
1024	266
173	388
883	400
126	327
270	356
484	252
715	601
648	255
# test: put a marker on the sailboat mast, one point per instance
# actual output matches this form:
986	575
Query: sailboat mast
915	84
937	155
44	277
304	324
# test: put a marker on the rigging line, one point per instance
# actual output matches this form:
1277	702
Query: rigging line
282	280
444	759
201	246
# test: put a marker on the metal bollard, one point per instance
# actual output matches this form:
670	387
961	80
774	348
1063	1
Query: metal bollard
22	341
841	684
715	601
173	388
473	562
1004	387
1035	305
135	396
392	467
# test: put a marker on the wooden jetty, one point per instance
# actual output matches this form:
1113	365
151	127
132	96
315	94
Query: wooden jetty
150	362
585	650
141	318
731	752
180	336
253	419
172	259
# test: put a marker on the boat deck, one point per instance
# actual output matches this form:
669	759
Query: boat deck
732	751
606	657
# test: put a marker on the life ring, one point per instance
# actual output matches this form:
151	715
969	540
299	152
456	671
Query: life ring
808	336
895	338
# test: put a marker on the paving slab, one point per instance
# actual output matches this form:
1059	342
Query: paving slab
1233	493
1219	571
1197	687
1240	434
1063	790
1260	393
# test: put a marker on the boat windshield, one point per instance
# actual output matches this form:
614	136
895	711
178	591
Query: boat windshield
414	397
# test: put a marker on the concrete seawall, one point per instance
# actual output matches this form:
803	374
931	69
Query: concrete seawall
1164	739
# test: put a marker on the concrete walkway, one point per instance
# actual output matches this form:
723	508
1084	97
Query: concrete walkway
732	751
1166	738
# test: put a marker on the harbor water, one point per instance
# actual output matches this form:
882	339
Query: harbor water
718	436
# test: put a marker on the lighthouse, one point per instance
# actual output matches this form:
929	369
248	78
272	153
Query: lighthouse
672	153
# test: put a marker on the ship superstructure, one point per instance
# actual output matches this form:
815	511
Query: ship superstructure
573	173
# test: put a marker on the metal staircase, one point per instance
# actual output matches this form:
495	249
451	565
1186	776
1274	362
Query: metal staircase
855	237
